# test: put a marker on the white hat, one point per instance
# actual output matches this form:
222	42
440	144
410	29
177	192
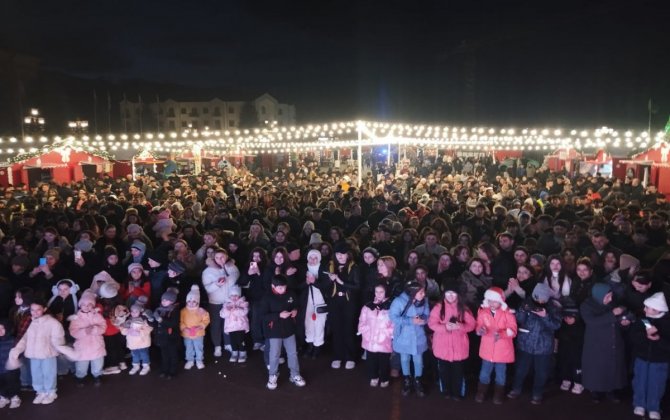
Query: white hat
495	294
657	301
194	294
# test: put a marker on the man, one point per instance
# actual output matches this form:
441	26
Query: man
503	266
380	214
430	250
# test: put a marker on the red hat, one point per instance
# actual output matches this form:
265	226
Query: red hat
495	294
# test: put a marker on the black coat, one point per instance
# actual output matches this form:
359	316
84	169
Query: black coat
652	351
271	306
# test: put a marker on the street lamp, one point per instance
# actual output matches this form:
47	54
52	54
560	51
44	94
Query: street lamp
33	123
78	126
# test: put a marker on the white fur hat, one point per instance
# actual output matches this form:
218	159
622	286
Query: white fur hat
495	294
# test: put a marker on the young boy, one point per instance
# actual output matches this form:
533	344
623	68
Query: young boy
278	311
166	317
40	344
193	322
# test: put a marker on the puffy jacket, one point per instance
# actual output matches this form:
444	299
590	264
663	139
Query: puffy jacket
217	293
451	345
536	333
376	328
138	335
42	339
497	344
191	319
408	337
655	351
235	314
87	329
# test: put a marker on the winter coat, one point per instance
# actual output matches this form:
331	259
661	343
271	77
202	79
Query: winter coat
497	344
603	357
451	345
474	288
376	328
655	351
408	338
42	339
536	333
138	334
235	314
87	329
167	325
190	320
218	292
271	306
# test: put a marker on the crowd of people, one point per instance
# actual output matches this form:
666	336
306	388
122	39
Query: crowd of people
429	272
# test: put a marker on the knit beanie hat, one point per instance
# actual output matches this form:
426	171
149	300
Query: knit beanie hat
541	259
103	277
108	290
110	250
542	292
452	286
177	266
599	290
134	229
194	294
495	294
139	245
133	266
627	261
170	294
372	251
84	245
657	301
87	297
315	238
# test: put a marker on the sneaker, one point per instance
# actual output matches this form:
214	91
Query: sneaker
146	368
639	411
565	385
350	365
15	402
374	382
336	364
188	365
242	357
228	348
577	389
536	400
49	397
4	402
39	398
112	370
123	366
135	369
233	357
654	415
217	351
297	380
384	384
512	395
258	346
272	382
199	364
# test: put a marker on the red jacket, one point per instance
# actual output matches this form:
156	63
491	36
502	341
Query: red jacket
497	344
451	345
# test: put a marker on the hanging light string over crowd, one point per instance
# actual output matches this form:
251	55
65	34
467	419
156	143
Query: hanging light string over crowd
340	135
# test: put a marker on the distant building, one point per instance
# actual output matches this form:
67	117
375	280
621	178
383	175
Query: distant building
216	114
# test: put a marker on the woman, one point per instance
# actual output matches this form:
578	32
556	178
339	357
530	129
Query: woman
368	271
520	286
451	321
50	240
409	313
388	276
343	277
411	262
557	279
474	283
462	256
585	274
252	282
569	256
445	271
486	252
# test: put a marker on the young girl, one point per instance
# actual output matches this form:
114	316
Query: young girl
9	374
570	346
40	344
236	323
87	328
409	313
20	320
166	317
651	348
193	322
376	330
451	320
314	305
496	325
137	285
138	340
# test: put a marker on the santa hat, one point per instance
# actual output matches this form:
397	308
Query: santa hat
194	294
657	301
495	294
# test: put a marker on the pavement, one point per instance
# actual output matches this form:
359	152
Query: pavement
231	391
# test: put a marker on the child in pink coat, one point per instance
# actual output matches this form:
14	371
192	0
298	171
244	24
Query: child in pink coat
235	312
451	321
87	327
496	324
376	330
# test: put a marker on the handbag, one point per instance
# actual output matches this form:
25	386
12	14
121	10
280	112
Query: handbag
320	308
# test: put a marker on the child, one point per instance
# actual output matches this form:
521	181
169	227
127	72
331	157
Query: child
651	348
138	285
570	347
279	309
537	319
496	325
114	341
87	328
409	313
376	330
40	344
138	340
166	317
193	322
9	378
451	321
236	323
20	320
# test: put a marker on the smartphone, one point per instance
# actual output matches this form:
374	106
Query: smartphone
77	253
43	261
253	264
646	323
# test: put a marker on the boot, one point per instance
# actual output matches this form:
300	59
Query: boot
406	386
315	352
134	369
307	350
498	394
146	368
481	392
418	387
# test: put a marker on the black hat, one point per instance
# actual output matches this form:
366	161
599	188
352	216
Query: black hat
177	266
292	246
372	251
341	248
412	288
110	250
158	256
452	286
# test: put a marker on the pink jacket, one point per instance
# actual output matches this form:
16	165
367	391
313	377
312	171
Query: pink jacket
376	330
87	329
235	314
42	340
497	344
451	345
138	335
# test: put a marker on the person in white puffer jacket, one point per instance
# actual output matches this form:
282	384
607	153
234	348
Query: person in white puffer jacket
217	279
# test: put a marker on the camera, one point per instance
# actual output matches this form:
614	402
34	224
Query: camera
453	320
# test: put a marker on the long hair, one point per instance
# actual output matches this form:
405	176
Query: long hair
460	308
561	274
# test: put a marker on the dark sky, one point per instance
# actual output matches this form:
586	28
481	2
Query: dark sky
496	62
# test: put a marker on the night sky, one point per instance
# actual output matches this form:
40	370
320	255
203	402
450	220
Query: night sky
586	63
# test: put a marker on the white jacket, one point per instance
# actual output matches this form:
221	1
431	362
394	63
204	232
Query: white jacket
216	292
43	339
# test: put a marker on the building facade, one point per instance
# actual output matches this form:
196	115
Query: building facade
216	114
